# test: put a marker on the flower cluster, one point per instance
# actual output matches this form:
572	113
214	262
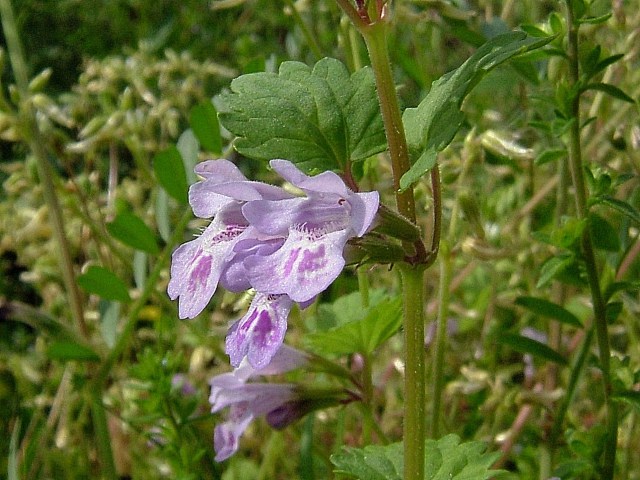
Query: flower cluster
250	400
281	404
287	248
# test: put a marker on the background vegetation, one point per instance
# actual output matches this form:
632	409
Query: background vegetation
113	85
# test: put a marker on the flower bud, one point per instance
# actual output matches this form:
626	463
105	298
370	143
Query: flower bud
38	82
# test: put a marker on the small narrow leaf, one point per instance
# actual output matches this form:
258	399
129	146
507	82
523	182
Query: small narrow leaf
616	287
549	309
68	350
104	283
604	235
432	125
594	20
611	90
528	345
605	62
132	231
553	268
171	174
621	206
109	316
550	156
188	146
630	397
203	119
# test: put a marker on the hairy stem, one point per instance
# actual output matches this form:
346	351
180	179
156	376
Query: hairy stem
414	372
375	37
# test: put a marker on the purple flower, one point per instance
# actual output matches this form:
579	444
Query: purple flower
259	334
316	227
198	266
247	401
289	249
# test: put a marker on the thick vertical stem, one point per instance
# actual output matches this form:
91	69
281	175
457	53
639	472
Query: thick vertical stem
375	37
599	307
414	372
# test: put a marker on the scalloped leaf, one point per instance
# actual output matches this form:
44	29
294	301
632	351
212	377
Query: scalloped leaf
381	322
445	459
318	118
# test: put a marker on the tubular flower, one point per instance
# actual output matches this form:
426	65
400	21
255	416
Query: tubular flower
288	248
199	265
247	401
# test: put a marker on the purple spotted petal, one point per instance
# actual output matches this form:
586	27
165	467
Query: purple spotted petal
234	278
259	334
306	264
196	267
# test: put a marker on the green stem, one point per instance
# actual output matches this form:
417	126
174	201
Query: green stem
437	380
576	371
414	372
45	173
311	40
375	37
599	306
367	399
103	439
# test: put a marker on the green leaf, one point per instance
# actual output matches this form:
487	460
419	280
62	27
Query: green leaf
109	316
203	119
613	311
104	283
68	350
432	125
630	397
549	309
171	174
616	287
621	206
594	20
609	89
318	118
605	62
445	459
527	345
380	323
550	156
132	231
554	267
604	235
188	146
